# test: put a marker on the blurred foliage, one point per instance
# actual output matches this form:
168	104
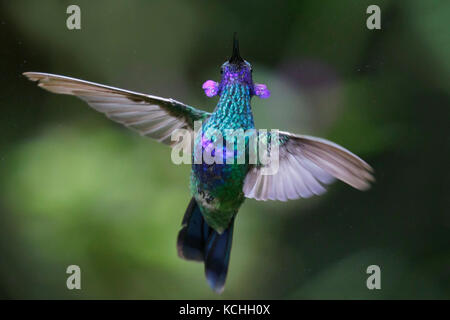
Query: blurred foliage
78	189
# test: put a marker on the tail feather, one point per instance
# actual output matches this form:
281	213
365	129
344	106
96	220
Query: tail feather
217	258
192	236
197	241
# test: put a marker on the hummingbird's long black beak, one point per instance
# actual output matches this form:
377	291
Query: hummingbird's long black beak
235	57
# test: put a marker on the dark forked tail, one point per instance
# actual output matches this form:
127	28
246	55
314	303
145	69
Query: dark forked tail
197	241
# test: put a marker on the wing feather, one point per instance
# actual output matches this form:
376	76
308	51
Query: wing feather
151	116
306	164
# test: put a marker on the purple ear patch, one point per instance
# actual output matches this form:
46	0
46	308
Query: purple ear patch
262	91
211	88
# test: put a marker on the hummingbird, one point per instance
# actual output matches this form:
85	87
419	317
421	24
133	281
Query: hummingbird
305	164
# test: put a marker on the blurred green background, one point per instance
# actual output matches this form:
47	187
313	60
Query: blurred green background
76	188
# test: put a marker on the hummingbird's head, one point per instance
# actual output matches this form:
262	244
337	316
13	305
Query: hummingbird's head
235	71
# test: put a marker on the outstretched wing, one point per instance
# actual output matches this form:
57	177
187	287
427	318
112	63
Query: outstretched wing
305	165
151	116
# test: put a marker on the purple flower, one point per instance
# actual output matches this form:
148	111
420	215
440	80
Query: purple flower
262	91
211	88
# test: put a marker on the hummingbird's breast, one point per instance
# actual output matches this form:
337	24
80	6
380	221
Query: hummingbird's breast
233	111
217	185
